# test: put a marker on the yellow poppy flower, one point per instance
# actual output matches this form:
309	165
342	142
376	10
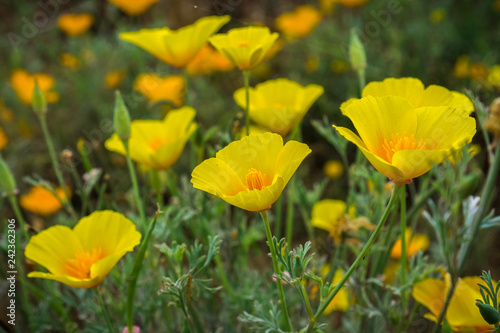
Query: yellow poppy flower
114	78
416	94
279	105
82	257
75	24
414	243
41	201
462	313
161	88
250	173
157	144
23	84
133	8
176	47
299	23
208	61
330	215
3	139
403	142
245	47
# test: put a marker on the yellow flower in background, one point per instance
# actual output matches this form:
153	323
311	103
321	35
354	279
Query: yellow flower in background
330	215
135	7
333	169
279	105
478	71
6	114
414	243
158	88
75	24
312	63
41	201
494	77
462	67
403	142
250	173
299	23
207	61
82	257
23	84
3	139
416	94
462	313
176	47
69	60
114	78
157	144
245	47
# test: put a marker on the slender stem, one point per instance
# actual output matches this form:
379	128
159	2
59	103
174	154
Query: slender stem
157	185
171	184
55	165
105	313
361	79
133	178
281	293
246	78
358	260
403	244
306	300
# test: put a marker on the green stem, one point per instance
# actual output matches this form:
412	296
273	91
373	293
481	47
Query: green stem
246	78
55	165
157	185
105	313
361	79
358	260
403	244
134	275
133	178
281	293
306	300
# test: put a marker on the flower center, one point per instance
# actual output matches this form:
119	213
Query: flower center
244	44
156	143
256	180
396	143
80	266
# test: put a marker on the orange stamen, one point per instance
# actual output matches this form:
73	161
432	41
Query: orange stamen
156	143
405	142
256	180
80	266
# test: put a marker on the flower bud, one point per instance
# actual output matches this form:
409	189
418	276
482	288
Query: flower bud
121	118
38	101
357	55
489	313
7	181
298	268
